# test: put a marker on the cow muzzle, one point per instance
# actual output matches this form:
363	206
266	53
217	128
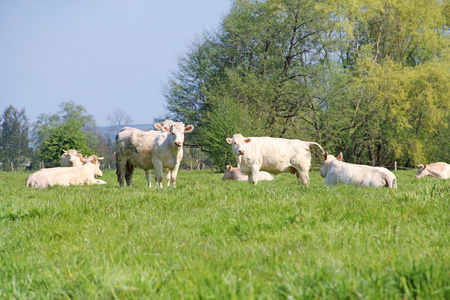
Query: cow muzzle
178	144
241	152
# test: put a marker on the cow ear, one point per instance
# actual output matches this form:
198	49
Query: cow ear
420	166
229	167
424	167
325	156
189	128
247	140
82	159
339	158
229	141
158	126
164	128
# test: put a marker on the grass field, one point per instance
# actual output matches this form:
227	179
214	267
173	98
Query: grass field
207	239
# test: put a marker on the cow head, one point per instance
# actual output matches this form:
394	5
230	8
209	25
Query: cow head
167	123
95	160
227	174
177	130
72	157
422	171
238	144
328	158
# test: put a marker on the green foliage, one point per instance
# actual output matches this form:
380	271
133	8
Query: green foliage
368	78
14	142
70	128
67	136
224	240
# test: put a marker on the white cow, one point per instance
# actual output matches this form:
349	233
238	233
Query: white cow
166	123
233	173
150	150
335	171
439	170
45	178
274	155
160	126
72	158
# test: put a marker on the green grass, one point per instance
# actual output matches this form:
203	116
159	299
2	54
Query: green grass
213	240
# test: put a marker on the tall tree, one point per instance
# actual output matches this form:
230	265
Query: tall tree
70	128
369	78
14	141
118	119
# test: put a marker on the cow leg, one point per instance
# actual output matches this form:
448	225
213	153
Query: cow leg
303	177
129	173
168	176
253	175
173	175
157	164
120	172
148	175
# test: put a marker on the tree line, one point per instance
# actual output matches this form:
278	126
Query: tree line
71	127
41	144
370	79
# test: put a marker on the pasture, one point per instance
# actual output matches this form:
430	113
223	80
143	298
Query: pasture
210	239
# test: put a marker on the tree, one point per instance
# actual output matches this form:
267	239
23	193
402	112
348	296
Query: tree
368	78
118	119
70	128
14	142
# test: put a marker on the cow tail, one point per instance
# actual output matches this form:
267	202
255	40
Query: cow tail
313	143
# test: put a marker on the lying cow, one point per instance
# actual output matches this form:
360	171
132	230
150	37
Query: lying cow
233	173
72	158
274	155
45	178
438	170
150	150
335	171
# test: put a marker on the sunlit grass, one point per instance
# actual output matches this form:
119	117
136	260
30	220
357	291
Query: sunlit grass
213	239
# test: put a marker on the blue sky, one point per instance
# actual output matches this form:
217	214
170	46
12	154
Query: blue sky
102	54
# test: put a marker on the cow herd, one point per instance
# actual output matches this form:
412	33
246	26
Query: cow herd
257	158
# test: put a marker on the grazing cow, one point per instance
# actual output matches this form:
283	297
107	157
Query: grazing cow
438	170
72	158
335	171
150	150
45	178
274	155
233	173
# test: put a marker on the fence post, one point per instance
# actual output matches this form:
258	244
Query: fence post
12	167
395	166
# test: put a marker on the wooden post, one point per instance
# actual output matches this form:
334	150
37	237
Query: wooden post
395	166
12	167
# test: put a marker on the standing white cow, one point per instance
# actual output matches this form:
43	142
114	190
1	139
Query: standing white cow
72	158
63	176
160	126
274	155
438	170
335	171
150	150
233	173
